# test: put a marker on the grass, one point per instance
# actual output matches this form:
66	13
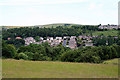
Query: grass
49	69
113	61
106	33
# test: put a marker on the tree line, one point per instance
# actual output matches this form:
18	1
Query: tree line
43	52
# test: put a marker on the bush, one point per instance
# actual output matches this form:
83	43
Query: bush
68	56
45	58
30	55
22	56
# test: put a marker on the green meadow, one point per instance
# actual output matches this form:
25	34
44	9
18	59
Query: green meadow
106	33
48	69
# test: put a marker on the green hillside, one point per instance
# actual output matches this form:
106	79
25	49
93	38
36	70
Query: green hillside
113	61
106	33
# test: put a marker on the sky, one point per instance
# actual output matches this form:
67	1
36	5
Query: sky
41	12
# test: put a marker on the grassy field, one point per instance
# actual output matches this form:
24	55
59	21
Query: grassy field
48	69
106	33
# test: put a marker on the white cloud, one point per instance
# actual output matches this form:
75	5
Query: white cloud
39	2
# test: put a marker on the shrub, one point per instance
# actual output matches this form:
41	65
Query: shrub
30	55
22	56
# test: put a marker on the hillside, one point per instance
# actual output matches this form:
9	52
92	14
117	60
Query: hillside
49	69
106	33
56	24
14	26
41	26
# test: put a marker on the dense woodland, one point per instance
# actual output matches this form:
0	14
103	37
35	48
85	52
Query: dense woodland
15	48
51	32
43	52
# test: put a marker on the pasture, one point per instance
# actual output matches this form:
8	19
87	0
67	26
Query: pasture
48	69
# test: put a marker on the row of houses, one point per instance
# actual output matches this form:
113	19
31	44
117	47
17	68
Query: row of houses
15	38
109	27
66	41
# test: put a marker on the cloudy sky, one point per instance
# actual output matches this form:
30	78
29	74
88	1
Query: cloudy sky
40	12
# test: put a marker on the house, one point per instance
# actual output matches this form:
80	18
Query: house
41	38
72	43
9	38
37	42
115	37
73	37
29	40
79	37
67	45
94	36
49	38
84	37
18	38
58	38
66	37
114	26
89	37
55	43
88	44
49	41
44	40
84	41
101	27
89	41
108	27
64	43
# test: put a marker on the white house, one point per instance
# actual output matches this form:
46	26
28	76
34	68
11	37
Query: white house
58	38
41	38
73	37
29	40
49	38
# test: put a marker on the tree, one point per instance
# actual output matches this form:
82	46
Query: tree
8	50
17	42
37	38
36	56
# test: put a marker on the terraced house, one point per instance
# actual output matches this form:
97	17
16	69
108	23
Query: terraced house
72	43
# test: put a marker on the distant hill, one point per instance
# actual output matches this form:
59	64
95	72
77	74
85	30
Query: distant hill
42	26
46	26
55	25
7	27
